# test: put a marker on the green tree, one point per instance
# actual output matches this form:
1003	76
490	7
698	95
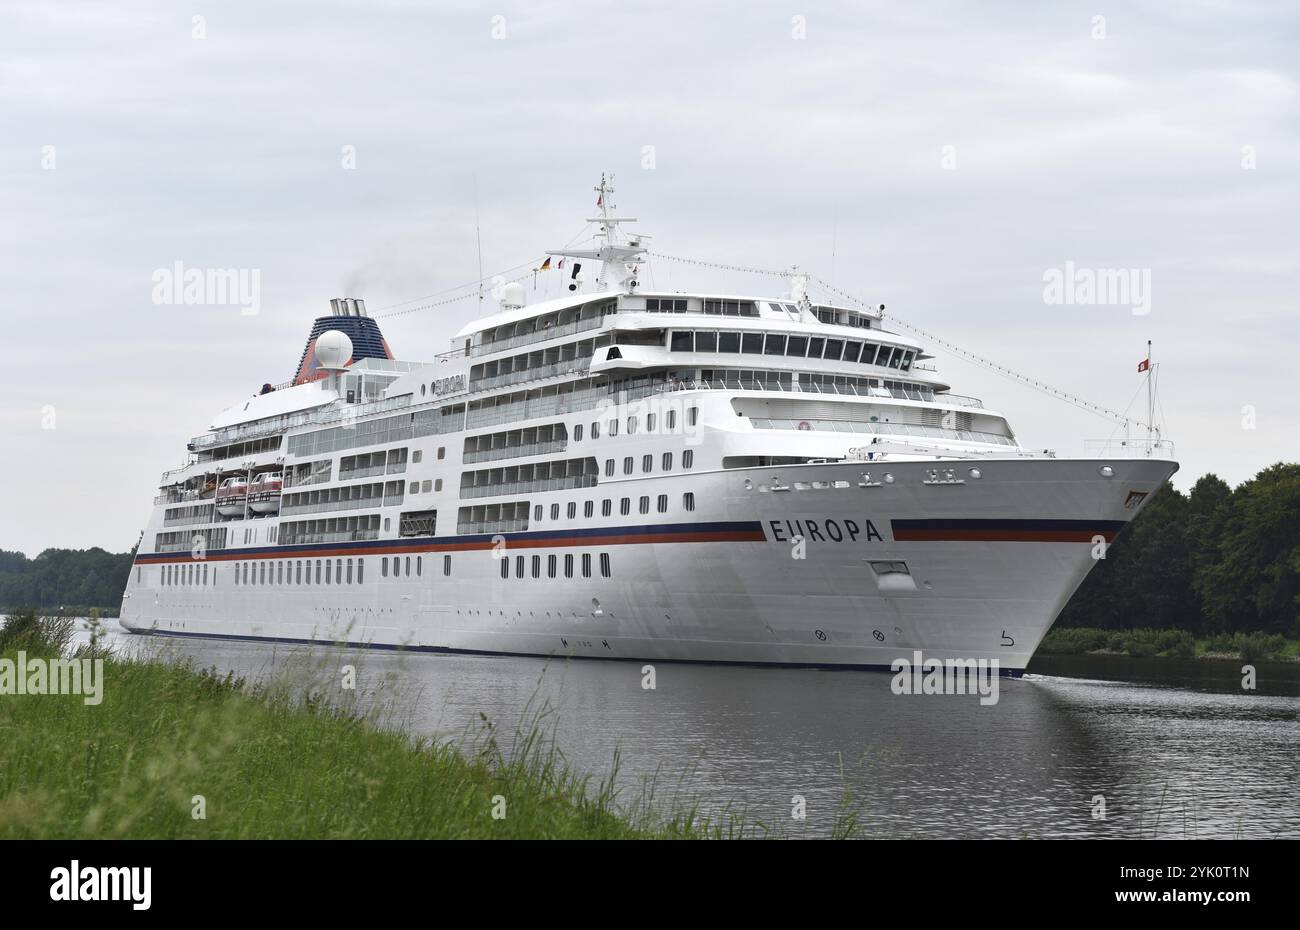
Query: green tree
1253	580
1145	579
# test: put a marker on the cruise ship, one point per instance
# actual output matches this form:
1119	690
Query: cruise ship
626	473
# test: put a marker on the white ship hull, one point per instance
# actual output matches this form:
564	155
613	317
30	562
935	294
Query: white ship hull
623	474
992	561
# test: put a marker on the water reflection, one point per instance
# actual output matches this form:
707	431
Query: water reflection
1169	762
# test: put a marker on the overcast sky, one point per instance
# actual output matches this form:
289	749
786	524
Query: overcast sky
937	157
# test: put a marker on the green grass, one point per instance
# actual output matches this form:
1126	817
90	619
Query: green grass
1249	647
271	765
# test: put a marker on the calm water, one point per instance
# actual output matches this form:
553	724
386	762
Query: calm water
1189	757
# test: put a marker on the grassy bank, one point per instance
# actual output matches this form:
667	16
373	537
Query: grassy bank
1144	643
269	765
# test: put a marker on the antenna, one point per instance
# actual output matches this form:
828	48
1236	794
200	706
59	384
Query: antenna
478	237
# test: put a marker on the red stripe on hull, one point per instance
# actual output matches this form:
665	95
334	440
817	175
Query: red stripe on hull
956	535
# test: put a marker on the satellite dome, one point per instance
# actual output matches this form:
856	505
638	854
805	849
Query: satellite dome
333	349
512	295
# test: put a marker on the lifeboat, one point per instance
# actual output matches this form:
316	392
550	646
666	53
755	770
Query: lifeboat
264	493
231	496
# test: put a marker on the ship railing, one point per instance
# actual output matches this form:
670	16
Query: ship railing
813	387
287	509
961	400
512	452
344	536
565	367
323	415
529	487
893	429
369	471
492	526
1128	448
537	335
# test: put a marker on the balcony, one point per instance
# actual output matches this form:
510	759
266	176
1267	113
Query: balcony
516	452
573	366
539	335
473	527
530	486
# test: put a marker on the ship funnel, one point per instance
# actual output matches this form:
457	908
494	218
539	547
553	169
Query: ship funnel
347	306
347	316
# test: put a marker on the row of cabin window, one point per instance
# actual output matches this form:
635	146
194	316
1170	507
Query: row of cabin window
651	421
424	487
399	561
648	461
250	534
325	571
186	573
864	353
552	563
607	507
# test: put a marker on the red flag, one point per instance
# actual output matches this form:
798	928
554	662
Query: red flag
1144	364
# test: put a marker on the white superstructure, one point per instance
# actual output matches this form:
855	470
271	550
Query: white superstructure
628	474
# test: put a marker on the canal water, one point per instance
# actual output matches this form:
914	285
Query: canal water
1081	747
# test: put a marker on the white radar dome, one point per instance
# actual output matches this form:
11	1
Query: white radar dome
333	349
512	295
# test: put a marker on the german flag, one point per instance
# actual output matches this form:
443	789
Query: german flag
546	265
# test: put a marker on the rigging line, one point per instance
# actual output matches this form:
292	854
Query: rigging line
484	278
450	300
952	347
1059	394
693	261
1131	400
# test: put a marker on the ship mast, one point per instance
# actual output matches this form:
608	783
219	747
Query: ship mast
1152	431
619	256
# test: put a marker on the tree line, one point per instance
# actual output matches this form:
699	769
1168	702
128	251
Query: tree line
64	580
1212	561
